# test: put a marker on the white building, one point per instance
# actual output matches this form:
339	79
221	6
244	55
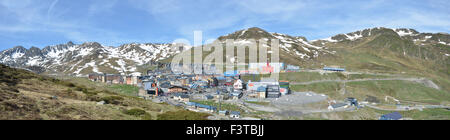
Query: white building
264	68
235	114
238	85
253	86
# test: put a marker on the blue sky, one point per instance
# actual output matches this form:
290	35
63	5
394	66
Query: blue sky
113	22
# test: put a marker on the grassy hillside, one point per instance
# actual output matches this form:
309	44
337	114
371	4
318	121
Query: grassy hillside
402	90
389	53
25	95
372	114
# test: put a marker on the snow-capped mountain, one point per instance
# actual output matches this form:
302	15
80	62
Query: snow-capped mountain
92	57
294	46
89	57
411	34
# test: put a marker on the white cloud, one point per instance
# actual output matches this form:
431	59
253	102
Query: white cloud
270	6
30	16
50	10
98	7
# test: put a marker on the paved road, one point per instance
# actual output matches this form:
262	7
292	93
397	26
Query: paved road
424	81
356	80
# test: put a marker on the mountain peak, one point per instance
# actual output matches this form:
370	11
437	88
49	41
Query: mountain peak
406	32
255	29
70	43
19	47
250	33
91	45
16	49
372	32
34	48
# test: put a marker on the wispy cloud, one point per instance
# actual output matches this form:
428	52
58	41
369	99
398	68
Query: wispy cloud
99	7
113	22
50	9
45	17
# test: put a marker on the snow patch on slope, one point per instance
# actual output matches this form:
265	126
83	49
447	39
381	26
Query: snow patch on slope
354	36
90	64
404	32
329	39
34	61
17	55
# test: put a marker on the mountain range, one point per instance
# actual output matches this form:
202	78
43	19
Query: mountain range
383	49
88	57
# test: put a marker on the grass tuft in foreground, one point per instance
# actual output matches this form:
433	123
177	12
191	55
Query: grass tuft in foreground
183	115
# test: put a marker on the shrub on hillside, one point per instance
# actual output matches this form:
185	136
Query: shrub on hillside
183	115
109	92
147	117
79	88
69	91
91	93
112	100
135	112
68	84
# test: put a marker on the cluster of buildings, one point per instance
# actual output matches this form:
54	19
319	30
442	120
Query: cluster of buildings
114	79
264	68
165	82
252	68
176	84
268	88
183	86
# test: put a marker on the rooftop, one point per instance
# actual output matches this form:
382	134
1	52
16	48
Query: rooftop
235	113
338	105
393	116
